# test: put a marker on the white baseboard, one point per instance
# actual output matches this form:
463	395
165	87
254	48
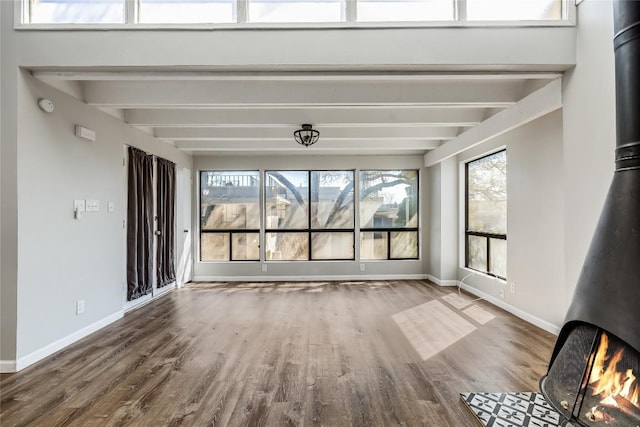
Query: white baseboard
441	282
48	350
7	366
534	320
146	299
307	278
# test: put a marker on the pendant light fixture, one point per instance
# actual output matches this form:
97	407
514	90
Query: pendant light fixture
306	136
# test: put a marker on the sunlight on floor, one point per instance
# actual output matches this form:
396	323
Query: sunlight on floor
432	327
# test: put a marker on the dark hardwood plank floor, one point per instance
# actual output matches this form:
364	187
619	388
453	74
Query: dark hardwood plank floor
265	354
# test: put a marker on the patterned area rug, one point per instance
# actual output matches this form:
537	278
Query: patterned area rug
512	409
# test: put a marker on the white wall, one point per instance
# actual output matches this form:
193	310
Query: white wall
61	259
589	133
316	269
535	211
559	170
443	222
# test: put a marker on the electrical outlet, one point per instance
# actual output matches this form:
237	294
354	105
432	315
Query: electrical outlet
362	267
92	205
80	306
512	287
264	268
501	293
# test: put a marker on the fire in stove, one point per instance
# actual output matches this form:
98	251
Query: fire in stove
614	385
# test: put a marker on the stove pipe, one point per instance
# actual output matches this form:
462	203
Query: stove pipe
607	294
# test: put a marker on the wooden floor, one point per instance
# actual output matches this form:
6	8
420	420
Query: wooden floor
264	354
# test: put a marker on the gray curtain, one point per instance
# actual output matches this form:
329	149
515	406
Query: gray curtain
165	210
139	224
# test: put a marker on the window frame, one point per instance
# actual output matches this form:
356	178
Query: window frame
309	229
468	233
231	231
389	230
22	20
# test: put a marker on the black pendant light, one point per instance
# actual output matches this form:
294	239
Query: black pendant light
306	136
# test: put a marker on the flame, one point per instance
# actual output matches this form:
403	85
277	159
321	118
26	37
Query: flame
609	382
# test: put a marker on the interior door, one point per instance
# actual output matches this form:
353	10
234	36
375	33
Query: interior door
184	252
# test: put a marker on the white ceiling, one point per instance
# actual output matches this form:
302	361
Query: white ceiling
203	112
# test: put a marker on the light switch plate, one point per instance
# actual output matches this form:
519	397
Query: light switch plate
92	205
78	205
110	207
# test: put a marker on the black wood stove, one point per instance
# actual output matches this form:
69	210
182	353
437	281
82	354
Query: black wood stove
594	372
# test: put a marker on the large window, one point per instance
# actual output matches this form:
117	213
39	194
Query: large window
389	214
285	11
229	216
186	11
486	214
309	215
405	10
76	11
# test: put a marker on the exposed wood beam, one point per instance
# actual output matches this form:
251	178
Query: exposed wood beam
185	94
327	133
289	144
533	106
343	117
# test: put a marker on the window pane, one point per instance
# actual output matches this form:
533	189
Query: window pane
187	11
405	10
487	199
214	247
404	244
332	199
286	246
389	199
498	257
296	10
373	245
287	198
245	246
230	200
77	12
512	10
332	246
477	247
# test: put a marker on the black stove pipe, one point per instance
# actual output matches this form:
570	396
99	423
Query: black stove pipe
607	294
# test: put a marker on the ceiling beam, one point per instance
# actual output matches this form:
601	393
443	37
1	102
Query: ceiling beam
185	94
278	117
289	144
326	133
533	106
327	75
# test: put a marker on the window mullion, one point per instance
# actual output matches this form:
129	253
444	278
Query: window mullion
460	10
131	8
242	11
351	11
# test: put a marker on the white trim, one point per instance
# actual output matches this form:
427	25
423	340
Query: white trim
146	299
537	104
55	346
296	26
308	278
534	320
7	366
441	282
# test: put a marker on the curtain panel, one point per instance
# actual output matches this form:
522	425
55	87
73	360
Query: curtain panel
165	211
139	224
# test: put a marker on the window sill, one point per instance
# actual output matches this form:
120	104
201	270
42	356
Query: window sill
294	26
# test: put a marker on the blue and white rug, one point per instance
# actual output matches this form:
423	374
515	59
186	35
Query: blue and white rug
512	409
